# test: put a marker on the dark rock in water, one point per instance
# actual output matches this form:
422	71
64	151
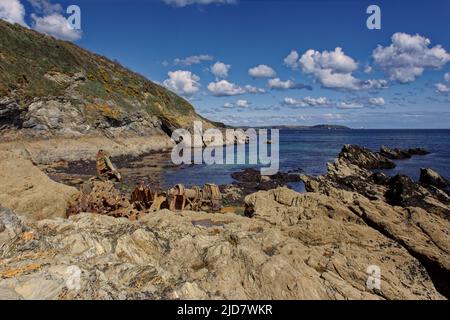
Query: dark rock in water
364	158
432	178
394	154
418	152
251	180
254	175
247	175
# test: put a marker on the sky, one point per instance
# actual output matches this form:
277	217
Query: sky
273	62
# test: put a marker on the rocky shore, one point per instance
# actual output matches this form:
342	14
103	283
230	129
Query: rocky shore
316	245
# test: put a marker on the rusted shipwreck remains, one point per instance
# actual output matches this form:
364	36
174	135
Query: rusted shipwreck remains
100	195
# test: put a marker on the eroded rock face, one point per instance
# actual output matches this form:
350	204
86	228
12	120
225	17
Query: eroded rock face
276	255
414	215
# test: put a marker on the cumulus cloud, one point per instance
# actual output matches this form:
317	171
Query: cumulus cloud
325	102
292	59
278	84
12	11
224	88
333	69
188	61
262	71
306	102
220	69
442	88
183	82
377	101
55	25
238	104
408	56
184	3
251	89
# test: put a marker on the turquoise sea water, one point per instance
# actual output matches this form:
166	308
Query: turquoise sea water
310	150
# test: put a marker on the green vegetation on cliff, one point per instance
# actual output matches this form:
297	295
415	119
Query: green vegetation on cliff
35	66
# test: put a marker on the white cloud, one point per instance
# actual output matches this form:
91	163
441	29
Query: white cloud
377	101
442	88
183	82
12	11
55	25
184	3
224	88
447	77
333	69
188	61
45	6
220	69
408	56
242	103
373	84
349	105
292	59
238	104
325	102
251	89
307	102
278	84
262	71
294	102
368	69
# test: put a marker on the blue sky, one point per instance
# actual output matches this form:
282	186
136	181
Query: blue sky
334	73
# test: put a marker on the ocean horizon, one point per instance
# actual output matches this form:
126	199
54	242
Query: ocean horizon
308	151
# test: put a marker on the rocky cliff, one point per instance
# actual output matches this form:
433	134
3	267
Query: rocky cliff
53	88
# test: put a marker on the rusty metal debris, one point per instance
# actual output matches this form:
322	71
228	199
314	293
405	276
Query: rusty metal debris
103	198
178	198
100	196
105	168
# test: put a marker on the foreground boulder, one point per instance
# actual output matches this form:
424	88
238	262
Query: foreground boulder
28	191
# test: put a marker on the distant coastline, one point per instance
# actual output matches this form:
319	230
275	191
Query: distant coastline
300	127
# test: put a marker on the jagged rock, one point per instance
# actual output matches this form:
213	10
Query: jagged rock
364	158
430	177
10	225
394	154
398	154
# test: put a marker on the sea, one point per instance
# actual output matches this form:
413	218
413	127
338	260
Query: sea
308	151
